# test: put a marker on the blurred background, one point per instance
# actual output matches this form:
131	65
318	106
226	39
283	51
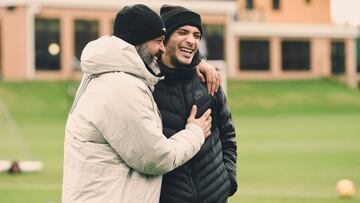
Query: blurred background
290	67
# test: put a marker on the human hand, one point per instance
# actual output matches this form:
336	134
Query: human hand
207	73
204	122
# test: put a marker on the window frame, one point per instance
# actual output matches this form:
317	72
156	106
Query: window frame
249	56
295	60
44	61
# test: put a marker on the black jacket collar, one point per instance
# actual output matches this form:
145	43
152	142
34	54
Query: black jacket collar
180	72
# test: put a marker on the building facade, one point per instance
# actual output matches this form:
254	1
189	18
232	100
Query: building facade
279	39
43	39
254	39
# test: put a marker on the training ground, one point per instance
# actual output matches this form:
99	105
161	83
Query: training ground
296	139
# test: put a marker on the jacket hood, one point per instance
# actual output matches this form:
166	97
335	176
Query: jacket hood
112	54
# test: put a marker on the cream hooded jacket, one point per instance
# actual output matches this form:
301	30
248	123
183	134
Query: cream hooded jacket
114	147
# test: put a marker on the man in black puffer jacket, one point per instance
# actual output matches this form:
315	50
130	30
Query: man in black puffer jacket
210	176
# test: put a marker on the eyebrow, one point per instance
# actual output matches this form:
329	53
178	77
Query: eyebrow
182	29
185	30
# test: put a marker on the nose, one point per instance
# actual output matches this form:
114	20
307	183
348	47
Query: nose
190	39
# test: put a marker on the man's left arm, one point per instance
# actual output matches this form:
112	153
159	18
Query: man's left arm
227	137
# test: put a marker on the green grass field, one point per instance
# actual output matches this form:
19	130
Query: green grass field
296	139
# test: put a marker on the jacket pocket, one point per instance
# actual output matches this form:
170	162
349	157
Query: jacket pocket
144	188
228	181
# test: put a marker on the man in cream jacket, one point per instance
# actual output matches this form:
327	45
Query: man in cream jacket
114	147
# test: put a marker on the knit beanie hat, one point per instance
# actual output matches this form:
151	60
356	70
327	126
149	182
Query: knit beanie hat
137	24
177	16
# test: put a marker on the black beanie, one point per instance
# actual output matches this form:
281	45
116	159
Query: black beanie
137	24
177	16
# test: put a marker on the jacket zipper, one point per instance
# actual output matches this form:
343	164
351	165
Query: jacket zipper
186	108
185	103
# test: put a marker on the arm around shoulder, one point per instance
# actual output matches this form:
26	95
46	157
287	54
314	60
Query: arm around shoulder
133	128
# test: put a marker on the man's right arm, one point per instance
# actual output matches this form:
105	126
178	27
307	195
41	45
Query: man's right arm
131	129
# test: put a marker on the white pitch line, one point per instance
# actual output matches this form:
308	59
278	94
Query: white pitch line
286	193
20	138
29	186
241	192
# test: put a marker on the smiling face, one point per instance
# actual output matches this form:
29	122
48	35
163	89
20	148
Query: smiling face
150	50
182	46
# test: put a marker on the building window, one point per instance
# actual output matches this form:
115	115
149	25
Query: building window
254	55
276	4
296	55
249	4
212	43
47	44
337	57
85	31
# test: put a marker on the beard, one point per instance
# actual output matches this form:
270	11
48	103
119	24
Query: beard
173	59
148	58
171	52
145	54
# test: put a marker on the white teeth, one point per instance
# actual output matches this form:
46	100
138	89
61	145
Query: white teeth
186	50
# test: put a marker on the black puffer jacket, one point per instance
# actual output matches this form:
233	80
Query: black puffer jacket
210	176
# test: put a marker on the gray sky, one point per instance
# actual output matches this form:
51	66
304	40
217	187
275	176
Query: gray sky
346	11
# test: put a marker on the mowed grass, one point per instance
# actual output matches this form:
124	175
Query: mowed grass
39	110
296	139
